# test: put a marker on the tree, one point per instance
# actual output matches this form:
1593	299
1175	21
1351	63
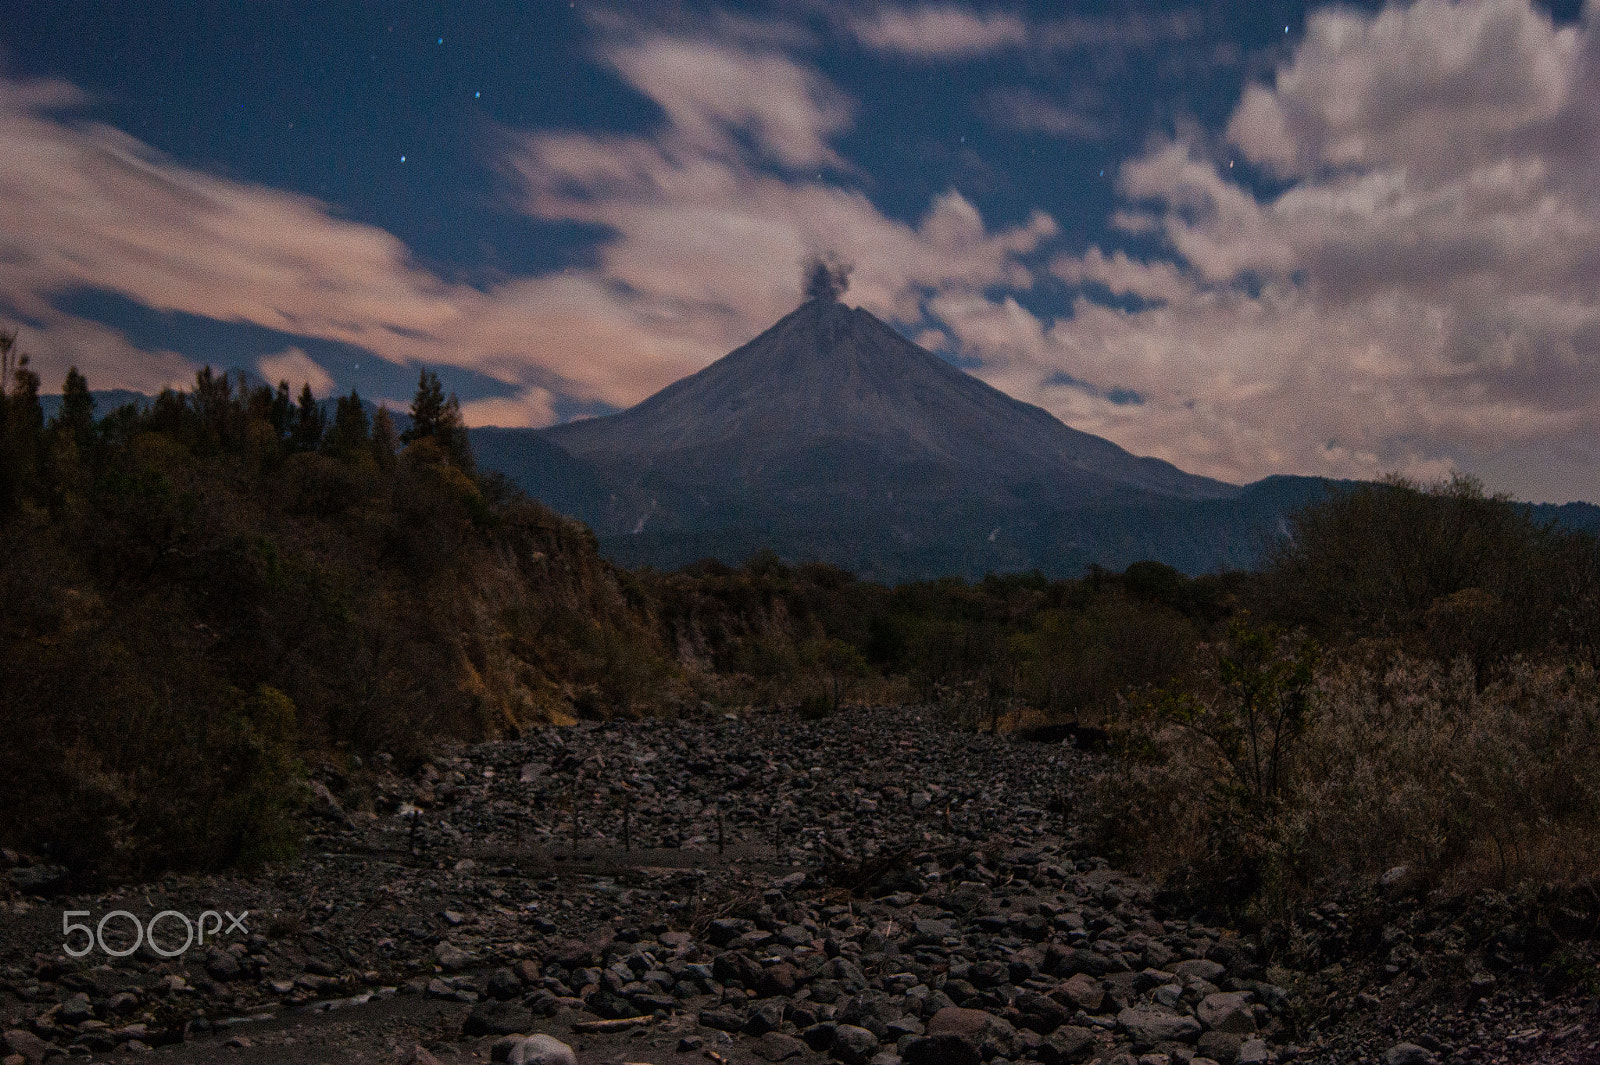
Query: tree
427	410
77	410
384	443
309	422
438	419
350	435
21	423
282	405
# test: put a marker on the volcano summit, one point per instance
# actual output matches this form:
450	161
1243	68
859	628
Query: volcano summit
832	437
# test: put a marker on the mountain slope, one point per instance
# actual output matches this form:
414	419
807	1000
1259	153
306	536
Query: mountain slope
831	404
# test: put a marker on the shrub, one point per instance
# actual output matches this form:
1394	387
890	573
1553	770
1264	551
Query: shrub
1392	759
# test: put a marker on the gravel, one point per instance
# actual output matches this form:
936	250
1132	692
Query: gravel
874	888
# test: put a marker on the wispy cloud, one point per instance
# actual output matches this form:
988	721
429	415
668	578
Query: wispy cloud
1028	111
939	31
296	367
936	32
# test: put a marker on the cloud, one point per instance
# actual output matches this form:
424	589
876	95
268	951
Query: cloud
84	206
297	368
955	32
705	237
1417	294
943	31
530	409
711	93
1030	112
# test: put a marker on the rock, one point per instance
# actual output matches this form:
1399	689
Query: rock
31	1047
1067	1046
1393	883
38	879
1086	961
76	1009
417	1055
222	965
450	957
498	1018
774	980
721	1020
1200	969
1227	1011
723	931
1082	991
1040	1014
767	1017
775	1046
123	1002
574	954
504	985
541	1050
819	1037
794	936
1408	1053
1220	1046
853	1045
1149	1025
325	806
947	1049
1254	1052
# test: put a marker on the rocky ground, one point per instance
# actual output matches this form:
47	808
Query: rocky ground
873	888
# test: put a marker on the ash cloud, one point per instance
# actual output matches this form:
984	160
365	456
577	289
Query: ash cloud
826	278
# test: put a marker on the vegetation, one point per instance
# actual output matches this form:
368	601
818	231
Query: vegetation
1434	707
207	594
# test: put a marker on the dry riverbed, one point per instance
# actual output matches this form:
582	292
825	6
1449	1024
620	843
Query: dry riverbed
874	889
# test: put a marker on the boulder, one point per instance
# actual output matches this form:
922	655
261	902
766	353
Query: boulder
1227	1011
541	1050
1149	1025
853	1045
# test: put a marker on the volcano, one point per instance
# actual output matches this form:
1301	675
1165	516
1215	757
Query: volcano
832	407
831	437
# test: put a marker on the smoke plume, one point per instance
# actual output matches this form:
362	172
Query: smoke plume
827	278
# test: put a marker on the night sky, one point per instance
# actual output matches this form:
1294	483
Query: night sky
1248	238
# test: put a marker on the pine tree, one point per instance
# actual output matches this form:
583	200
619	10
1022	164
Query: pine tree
427	409
77	410
281	406
435	418
384	442
21	423
308	424
350	433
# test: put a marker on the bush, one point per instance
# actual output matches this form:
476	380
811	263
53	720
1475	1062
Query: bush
1391	759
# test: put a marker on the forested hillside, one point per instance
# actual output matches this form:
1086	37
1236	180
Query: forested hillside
204	594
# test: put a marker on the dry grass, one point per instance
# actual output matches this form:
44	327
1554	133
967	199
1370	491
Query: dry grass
1409	763
1403	761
